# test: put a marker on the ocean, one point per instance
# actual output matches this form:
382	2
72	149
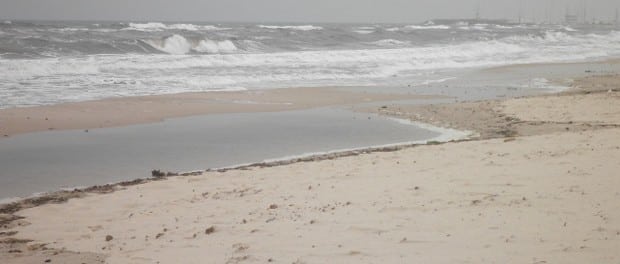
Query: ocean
44	63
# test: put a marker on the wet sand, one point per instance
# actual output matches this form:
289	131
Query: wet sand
490	118
538	186
115	112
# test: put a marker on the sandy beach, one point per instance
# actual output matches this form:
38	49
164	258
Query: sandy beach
539	185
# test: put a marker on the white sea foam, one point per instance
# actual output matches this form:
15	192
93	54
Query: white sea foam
157	26
364	30
174	44
495	52
478	27
544	84
570	29
444	135
424	27
215	47
427	26
427	82
390	43
72	29
302	27
177	44
151	26
52	80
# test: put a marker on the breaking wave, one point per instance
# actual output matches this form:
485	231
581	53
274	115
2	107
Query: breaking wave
177	44
44	64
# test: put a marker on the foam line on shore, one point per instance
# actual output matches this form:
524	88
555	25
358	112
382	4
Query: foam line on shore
445	135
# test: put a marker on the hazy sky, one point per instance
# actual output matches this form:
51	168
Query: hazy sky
368	11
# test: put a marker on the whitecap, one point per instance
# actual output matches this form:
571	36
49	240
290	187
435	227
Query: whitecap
426	27
218	65
390	43
215	47
178	45
302	27
157	26
503	27
570	29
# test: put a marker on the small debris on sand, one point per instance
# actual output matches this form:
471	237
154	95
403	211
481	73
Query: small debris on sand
158	174
210	230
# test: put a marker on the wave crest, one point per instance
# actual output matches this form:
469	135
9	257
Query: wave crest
178	45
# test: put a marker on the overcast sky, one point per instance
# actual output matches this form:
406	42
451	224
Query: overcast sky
367	11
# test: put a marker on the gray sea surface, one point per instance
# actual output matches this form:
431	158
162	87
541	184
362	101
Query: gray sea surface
44	63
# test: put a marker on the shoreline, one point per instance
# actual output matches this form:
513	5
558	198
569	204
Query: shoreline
466	133
290	99
423	118
124	111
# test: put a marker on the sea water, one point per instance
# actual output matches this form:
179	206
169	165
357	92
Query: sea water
52	62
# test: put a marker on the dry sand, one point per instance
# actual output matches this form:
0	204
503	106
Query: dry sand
544	195
123	111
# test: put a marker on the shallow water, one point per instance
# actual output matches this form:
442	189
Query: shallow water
47	161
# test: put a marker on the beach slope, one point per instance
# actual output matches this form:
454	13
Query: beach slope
543	198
